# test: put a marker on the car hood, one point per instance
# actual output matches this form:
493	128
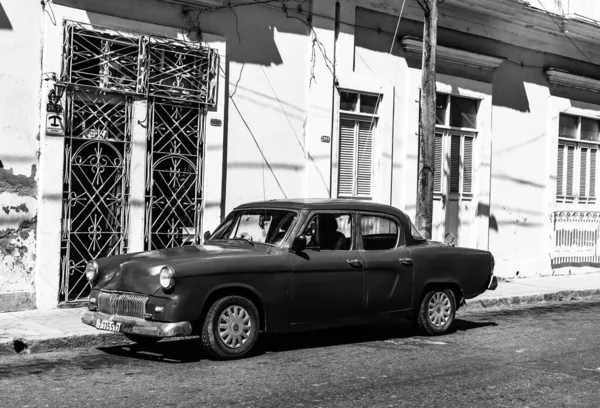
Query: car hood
139	272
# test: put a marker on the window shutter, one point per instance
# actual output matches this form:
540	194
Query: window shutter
346	159
570	169
593	172
455	164
583	172
468	165
365	159
560	169
438	163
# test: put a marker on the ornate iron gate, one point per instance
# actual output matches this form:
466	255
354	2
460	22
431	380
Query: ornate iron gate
96	186
106	71
173	178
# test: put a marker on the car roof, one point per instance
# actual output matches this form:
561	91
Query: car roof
324	204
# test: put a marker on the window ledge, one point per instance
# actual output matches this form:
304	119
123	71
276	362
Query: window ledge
560	77
414	45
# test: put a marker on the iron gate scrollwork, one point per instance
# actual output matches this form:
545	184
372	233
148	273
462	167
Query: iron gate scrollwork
96	184
106	71
173	178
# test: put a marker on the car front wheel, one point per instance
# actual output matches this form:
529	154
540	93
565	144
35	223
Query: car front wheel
437	311
230	329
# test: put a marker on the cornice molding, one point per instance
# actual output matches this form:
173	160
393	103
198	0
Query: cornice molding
564	78
197	3
414	46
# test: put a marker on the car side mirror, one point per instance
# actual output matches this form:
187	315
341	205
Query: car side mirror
299	244
449	239
206	235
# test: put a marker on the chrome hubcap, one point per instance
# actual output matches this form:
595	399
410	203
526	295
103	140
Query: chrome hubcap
439	309
234	326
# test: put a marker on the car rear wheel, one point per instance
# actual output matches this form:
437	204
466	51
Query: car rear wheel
143	340
230	329
437	311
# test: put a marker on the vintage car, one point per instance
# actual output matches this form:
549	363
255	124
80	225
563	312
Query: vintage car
286	265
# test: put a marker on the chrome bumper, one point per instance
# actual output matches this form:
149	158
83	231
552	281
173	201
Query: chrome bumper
139	326
493	283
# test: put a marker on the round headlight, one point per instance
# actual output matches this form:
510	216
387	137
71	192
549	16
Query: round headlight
167	279
91	271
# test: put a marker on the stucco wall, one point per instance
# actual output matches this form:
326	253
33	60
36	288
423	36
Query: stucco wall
20	74
523	158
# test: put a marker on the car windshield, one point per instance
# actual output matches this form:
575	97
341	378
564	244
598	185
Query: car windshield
266	226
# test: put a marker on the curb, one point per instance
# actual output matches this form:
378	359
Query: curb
509	301
24	345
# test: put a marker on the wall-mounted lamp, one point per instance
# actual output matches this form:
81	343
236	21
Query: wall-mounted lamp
54	98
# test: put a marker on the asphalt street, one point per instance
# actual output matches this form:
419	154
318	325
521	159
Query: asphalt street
523	357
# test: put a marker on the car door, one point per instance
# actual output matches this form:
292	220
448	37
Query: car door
328	276
387	263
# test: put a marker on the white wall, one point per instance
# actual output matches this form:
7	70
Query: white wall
21	32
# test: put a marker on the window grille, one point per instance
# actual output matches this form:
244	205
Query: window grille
122	61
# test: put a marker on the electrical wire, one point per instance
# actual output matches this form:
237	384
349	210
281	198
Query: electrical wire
568	37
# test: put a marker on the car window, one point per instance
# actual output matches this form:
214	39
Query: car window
416	234
266	226
379	233
331	232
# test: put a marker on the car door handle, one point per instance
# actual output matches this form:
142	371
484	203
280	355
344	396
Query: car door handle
355	263
405	261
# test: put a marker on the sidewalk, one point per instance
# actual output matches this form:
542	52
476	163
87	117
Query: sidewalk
38	331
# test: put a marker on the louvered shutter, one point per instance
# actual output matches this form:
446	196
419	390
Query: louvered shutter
560	170
593	153
347	172
570	169
583	172
468	165
438	163
364	171
455	164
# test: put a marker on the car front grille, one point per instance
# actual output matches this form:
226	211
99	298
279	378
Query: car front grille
122	303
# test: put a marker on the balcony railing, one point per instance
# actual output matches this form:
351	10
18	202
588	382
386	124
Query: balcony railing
589	9
576	238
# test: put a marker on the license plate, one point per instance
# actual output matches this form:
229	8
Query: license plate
108	325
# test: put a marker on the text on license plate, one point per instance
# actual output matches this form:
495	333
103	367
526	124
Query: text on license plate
108	325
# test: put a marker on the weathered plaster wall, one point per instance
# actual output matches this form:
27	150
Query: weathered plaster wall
20	74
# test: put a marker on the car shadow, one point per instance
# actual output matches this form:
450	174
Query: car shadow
173	351
466	325
189	350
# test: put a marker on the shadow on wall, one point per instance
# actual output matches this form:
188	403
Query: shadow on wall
249	29
4	21
483	210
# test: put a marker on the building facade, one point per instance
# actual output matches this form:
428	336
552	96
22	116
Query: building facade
136	125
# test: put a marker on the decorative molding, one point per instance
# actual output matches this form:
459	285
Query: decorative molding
197	3
414	45
560	77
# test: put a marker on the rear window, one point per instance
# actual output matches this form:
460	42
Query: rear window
379	233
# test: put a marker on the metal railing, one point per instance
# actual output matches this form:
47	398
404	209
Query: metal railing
576	237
